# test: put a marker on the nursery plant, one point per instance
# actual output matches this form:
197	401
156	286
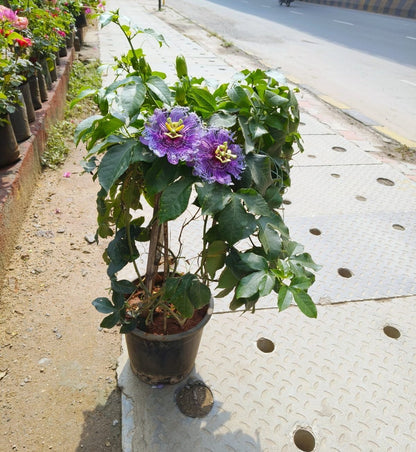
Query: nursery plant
212	157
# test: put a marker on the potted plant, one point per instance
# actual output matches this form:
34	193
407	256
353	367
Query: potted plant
9	151
217	159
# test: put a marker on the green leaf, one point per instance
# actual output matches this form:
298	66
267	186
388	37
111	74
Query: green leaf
213	197
114	163
176	291
285	298
111	320
82	95
159	38
273	197
119	300
106	17
305	260
305	303
128	327
254	201
234	223
248	142
236	303
85	126
267	284
199	294
123	286
131	98
159	176
215	257
203	99
300	282
239	96
256	128
222	120
260	169
105	127
276	221
250	284
254	261
274	99
237	266
227	279
159	88
118	251
103	305
270	239
175	199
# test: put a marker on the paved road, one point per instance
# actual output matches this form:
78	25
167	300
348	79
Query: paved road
365	61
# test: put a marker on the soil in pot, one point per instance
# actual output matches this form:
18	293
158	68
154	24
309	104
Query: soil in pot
160	326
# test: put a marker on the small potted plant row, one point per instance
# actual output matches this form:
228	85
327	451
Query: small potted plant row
33	34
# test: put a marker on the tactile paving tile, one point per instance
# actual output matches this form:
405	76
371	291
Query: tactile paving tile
373	247
311	126
321	150
338	377
315	191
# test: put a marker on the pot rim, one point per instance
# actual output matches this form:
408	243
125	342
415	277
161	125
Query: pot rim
176	336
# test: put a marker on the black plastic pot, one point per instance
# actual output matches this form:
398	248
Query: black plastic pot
20	122
46	73
25	90
53	73
43	89
70	39
9	149
35	92
81	20
157	359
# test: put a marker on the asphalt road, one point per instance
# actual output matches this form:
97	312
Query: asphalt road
364	62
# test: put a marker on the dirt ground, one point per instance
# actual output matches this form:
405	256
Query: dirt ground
58	388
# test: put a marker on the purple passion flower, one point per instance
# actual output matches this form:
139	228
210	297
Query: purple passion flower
218	158
174	134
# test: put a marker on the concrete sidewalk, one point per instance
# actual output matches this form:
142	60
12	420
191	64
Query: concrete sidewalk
343	382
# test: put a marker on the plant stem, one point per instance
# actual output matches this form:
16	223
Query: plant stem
152	265
165	251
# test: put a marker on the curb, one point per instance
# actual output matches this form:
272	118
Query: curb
357	116
382	130
400	8
17	180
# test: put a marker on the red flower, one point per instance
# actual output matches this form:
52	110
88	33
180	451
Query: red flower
24	42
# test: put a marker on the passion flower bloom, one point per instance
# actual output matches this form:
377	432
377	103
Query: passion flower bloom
173	133
219	158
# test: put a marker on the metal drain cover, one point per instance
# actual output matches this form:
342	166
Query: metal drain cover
195	399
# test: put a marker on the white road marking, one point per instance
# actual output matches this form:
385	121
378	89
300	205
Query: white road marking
296	12
344	23
411	37
409	83
265	6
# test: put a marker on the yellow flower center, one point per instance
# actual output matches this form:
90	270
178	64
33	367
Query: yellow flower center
174	128
223	154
